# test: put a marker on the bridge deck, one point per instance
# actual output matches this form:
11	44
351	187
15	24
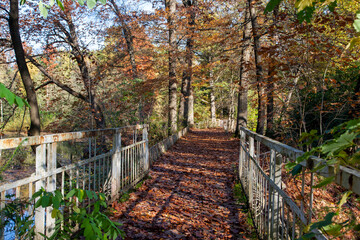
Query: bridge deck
189	195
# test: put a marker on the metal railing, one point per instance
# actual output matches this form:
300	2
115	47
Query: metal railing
108	161
276	215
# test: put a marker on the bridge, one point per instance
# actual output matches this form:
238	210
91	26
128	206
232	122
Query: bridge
114	160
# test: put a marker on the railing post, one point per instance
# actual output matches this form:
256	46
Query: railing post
242	153
146	149
274	198
115	170
40	164
251	170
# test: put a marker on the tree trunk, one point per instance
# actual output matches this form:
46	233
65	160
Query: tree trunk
79	56
270	101
241	118
23	69
188	93
171	8
260	128
181	113
212	101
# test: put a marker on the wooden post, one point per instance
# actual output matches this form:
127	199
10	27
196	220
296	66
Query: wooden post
40	170
51	186
115	170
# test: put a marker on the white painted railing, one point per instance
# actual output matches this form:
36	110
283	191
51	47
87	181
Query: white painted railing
112	161
275	214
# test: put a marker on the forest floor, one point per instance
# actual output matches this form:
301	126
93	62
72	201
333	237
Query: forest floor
189	193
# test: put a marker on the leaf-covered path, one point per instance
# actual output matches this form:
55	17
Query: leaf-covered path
189	195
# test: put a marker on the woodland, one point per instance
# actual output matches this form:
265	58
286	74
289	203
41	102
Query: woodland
170	63
287	69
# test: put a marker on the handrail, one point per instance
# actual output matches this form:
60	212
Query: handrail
345	177
9	143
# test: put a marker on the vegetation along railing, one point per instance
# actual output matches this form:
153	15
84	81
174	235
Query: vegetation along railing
108	161
277	215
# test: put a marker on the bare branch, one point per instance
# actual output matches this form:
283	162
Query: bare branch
57	83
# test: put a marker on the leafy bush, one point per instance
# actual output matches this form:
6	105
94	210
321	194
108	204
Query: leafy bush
69	214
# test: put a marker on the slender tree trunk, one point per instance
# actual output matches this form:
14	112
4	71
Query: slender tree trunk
270	101
241	118
189	98
259	79
271	85
23	69
212	102
181	113
171	8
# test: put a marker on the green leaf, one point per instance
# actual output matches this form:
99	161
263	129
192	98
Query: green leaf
296	170
76	209
43	10
333	229
356	25
91	3
80	194
36	194
327	221
60	4
45	201
54	213
81	2
22	2
52	2
89	194
70	194
344	199
336	145
324	182
302	4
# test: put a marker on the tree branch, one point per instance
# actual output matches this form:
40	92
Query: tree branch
57	83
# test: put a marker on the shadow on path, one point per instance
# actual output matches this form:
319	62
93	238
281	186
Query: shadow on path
189	195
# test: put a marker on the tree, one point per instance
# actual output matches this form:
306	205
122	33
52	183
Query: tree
170	6
64	33
14	29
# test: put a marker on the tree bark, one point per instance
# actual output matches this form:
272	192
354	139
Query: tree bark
260	128
188	92
241	118
23	69
270	101
171	8
212	101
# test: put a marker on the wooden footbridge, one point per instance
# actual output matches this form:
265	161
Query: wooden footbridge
114	160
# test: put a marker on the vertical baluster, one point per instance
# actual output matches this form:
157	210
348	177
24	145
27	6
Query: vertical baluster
2	205
282	218
294	225
94	178
311	197
277	216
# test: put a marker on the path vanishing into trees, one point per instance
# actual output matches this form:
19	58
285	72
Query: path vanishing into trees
189	195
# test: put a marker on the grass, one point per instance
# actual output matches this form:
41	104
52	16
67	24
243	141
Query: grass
242	201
